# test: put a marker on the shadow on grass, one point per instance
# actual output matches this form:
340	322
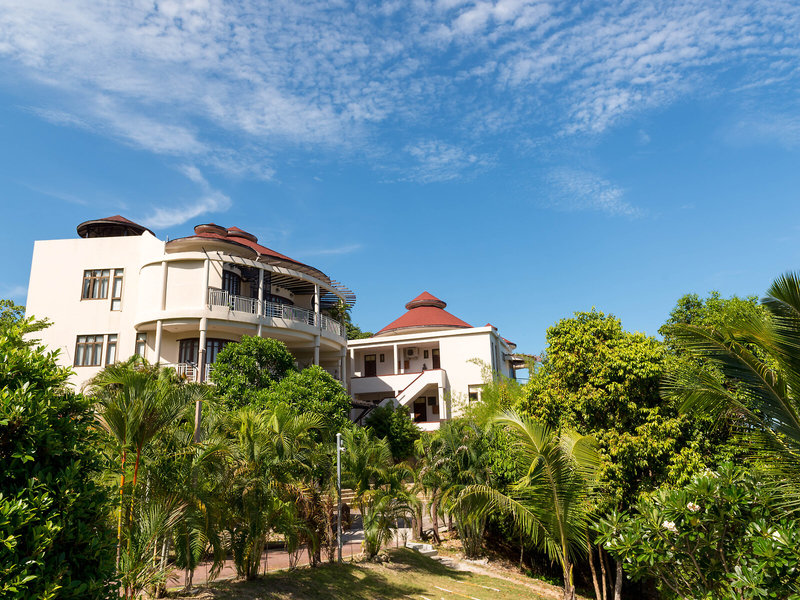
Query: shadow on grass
408	573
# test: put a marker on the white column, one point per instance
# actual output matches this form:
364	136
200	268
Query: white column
164	270
260	299
316	306
159	327
201	359
316	350
442	408
396	360
206	272
342	364
351	369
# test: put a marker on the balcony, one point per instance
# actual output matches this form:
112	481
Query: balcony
274	310
190	371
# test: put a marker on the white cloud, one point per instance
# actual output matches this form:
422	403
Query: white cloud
436	161
780	129
210	200
15	292
335	251
218	83
578	190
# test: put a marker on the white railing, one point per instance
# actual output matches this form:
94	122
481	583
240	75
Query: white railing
333	325
189	371
274	310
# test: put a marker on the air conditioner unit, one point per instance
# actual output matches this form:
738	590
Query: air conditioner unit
411	352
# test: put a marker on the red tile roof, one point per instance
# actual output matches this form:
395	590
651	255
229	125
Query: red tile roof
425	311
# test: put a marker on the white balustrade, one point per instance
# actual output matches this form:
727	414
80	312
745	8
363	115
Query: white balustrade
275	310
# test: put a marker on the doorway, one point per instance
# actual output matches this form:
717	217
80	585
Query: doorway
370	366
435	358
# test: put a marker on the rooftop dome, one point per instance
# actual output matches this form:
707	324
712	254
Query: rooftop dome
114	226
425	313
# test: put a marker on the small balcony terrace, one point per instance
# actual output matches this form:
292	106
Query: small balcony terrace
274	310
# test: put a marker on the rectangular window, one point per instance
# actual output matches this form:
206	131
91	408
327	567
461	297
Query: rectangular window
89	351
141	344
475	393
382	358
95	284
111	349
116	290
231	283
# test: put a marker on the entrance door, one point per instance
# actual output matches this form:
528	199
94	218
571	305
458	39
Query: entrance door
435	357
370	366
420	412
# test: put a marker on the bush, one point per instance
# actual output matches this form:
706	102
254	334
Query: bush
396	425
720	536
54	541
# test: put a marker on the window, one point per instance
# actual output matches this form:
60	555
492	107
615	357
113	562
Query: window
231	282
116	290
111	349
89	351
95	284
188	350
424	354
141	344
382	358
433	402
475	393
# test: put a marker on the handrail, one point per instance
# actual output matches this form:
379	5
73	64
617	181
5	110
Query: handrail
275	310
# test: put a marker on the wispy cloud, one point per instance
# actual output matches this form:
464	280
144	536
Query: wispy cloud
579	190
435	160
14	292
337	250
210	200
216	83
780	129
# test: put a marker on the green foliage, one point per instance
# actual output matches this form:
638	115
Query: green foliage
312	391
602	381
395	424
13	315
341	312
746	372
720	536
243	370
550	502
54	542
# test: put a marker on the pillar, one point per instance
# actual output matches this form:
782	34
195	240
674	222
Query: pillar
316	350
159	327
396	360
201	359
260	299
164	271
317	320
342	364
206	271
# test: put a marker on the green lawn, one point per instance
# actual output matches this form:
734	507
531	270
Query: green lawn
408	575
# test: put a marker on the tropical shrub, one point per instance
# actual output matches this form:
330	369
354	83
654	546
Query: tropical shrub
54	538
394	424
243	370
720	536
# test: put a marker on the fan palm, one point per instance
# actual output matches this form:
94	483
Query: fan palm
759	360
550	502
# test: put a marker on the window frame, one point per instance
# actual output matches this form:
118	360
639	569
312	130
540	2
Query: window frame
95	277
90	348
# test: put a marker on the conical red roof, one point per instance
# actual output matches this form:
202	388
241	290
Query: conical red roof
426	311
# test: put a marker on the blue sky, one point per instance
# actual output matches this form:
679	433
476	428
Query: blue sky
519	159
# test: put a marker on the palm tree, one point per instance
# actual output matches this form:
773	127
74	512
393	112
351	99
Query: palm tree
550	502
759	360
460	461
135	402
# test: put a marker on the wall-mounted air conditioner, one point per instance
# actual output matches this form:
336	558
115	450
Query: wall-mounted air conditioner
411	352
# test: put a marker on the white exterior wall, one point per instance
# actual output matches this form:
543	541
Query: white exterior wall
55	287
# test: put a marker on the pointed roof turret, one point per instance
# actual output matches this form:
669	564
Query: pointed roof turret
425	313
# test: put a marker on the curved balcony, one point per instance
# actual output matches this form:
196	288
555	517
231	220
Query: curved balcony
274	310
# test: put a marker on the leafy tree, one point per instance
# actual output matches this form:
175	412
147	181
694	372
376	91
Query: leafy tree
54	539
244	369
341	312
720	536
550	503
12	314
759	364
312	391
395	424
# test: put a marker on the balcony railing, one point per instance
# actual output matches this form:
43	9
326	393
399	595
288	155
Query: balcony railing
217	297
190	371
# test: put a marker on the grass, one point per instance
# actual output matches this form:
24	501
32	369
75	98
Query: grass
407	575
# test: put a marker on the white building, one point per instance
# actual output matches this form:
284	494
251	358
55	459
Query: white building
117	290
428	360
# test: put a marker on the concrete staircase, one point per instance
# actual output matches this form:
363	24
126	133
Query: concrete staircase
424	549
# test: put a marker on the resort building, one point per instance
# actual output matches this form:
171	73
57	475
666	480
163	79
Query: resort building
429	361
117	290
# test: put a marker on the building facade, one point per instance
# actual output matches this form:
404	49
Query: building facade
428	360
117	290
